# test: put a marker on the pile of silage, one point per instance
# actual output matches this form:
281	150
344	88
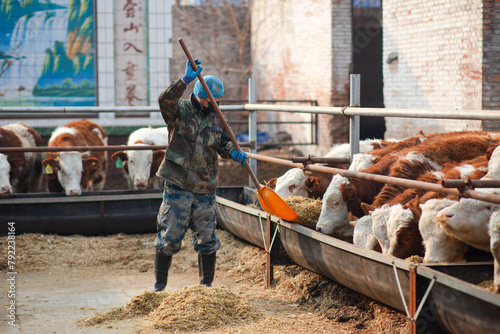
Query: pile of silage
201	308
308	209
140	305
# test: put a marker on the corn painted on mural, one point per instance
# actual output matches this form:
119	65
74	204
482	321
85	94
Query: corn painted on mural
47	53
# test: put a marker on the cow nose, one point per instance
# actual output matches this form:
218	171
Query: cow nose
140	183
318	229
74	192
443	216
6	190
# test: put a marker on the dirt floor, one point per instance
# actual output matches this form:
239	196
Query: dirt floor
76	284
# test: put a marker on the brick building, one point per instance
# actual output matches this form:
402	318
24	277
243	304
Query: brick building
440	55
302	50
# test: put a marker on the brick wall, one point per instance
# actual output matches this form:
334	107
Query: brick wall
491	57
440	61
302	50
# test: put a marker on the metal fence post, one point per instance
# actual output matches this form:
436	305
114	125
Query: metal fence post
252	126
355	101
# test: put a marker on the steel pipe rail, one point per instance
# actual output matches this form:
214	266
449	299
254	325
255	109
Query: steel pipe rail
115	109
381	112
382	178
470	183
92	148
346	111
319	160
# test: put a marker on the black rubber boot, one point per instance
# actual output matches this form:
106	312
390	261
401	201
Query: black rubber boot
162	265
206	266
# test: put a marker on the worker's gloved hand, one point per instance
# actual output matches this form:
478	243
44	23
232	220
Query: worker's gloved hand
190	74
239	156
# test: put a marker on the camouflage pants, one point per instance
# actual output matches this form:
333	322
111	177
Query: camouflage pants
181	210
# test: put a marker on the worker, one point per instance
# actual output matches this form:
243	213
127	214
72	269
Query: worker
196	138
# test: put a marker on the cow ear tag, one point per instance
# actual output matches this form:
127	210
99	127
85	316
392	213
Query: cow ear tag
49	169
119	163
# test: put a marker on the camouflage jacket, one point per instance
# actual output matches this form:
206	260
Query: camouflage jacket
195	138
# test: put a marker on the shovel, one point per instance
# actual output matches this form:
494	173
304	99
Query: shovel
269	200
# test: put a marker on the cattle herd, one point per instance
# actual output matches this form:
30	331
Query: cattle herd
387	218
73	171
406	222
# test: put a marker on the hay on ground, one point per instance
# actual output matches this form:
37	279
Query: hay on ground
308	209
200	308
140	305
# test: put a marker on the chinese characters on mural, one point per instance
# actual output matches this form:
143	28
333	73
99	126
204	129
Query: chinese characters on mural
131	53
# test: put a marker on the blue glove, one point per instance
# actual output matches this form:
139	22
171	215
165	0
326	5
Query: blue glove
190	74
239	156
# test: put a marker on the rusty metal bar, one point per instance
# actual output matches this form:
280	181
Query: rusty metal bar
92	148
311	160
384	179
412	298
468	183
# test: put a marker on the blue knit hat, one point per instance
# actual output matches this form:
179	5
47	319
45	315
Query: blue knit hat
214	84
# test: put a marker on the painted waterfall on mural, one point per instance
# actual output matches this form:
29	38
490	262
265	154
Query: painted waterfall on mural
47	53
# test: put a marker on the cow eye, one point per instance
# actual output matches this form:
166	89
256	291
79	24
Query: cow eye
488	208
335	203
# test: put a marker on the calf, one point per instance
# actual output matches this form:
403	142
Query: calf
72	171
140	166
363	234
439	245
402	229
380	217
20	172
334	216
468	220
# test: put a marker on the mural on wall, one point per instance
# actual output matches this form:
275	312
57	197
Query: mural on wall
47	53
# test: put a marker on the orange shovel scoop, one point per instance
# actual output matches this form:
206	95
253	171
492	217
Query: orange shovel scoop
269	200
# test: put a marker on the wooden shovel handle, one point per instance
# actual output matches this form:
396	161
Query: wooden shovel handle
219	113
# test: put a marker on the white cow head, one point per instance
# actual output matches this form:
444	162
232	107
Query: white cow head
292	183
9	170
5	187
71	168
439	246
380	216
141	165
334	217
468	220
363	235
400	239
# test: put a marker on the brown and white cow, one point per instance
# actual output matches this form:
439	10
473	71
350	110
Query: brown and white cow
296	182
402	225
140	166
73	171
347	195
20	172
